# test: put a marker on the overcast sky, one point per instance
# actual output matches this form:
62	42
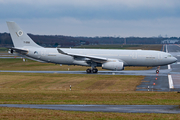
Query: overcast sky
124	18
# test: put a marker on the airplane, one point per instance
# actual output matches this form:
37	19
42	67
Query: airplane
113	59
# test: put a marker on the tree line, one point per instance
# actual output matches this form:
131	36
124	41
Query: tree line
69	41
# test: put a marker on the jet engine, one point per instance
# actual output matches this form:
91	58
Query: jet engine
116	66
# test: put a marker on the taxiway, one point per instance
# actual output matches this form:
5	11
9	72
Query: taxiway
104	108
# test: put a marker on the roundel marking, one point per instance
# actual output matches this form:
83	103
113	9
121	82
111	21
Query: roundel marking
20	33
35	52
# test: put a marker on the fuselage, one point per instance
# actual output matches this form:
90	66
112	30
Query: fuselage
128	57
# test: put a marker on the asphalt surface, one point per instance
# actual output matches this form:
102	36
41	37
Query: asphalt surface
9	57
161	83
104	108
137	72
175	73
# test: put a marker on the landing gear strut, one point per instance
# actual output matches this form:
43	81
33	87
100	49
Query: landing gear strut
94	70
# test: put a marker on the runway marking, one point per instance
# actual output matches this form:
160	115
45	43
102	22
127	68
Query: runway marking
169	67
176	80
171	85
177	45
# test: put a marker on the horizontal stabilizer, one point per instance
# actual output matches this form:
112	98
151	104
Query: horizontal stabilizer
21	51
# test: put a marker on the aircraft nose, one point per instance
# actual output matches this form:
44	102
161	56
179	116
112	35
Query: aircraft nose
174	59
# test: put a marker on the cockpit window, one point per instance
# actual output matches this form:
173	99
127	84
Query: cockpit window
169	55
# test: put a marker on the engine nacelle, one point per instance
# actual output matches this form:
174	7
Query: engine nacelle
116	66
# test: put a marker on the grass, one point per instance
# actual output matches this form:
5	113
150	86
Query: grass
3	50
27	88
29	114
60	81
121	98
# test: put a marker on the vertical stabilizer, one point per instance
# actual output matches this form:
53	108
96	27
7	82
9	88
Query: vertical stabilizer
19	37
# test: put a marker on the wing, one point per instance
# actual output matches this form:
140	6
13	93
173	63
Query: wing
84	57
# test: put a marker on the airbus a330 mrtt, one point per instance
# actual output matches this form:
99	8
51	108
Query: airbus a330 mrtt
114	60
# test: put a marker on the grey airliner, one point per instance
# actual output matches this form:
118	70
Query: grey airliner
114	60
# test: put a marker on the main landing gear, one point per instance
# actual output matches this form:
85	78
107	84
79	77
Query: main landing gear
94	70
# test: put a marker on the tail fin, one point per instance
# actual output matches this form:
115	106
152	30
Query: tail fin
19	37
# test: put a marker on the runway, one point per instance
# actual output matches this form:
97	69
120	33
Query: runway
9	57
175	51
170	109
135	72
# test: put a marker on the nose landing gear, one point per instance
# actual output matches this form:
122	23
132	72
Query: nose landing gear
157	71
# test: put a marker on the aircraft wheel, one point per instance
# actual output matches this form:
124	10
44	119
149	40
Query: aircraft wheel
157	71
88	70
95	70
